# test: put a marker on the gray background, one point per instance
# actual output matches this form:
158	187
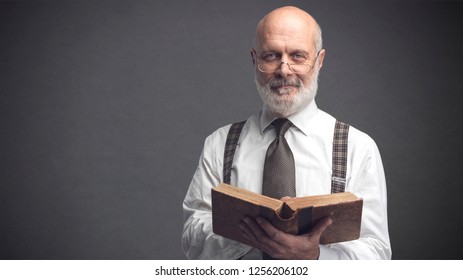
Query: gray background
105	107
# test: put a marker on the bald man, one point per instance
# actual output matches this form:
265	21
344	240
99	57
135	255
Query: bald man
287	58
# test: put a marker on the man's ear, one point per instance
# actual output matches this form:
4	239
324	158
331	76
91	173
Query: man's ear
253	56
321	57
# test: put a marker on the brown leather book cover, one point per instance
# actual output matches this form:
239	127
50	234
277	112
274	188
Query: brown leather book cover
297	216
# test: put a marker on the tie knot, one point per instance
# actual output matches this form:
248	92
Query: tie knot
282	125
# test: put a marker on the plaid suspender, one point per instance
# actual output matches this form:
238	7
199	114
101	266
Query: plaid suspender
339	164
230	147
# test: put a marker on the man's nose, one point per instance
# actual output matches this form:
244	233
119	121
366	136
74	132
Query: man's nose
284	69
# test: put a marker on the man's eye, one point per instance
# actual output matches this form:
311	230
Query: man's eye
299	57
270	57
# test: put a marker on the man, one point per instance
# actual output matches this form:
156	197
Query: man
287	58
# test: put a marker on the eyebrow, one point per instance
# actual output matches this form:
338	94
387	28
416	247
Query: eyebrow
291	51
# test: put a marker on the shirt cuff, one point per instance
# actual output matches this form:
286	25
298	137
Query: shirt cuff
327	253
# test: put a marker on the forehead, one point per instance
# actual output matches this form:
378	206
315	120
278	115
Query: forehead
278	42
287	33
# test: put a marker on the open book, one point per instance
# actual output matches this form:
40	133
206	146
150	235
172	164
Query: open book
297	216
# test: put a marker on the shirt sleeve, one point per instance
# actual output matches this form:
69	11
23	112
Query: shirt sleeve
198	239
368	182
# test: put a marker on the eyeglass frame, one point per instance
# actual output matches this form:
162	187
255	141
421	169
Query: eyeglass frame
287	63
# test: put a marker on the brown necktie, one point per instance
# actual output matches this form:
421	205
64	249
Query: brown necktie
279	171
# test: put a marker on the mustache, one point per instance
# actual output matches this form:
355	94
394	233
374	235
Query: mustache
279	82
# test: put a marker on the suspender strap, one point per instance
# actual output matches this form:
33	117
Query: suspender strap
230	147
339	164
339	168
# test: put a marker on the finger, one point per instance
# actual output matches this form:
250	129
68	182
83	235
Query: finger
271	243
276	238
249	240
272	232
262	239
320	227
254	230
254	227
247	232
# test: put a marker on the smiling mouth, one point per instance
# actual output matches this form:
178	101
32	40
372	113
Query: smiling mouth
284	87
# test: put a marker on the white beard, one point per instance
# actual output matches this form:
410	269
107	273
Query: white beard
280	105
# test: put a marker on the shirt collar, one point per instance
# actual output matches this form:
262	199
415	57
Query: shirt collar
299	119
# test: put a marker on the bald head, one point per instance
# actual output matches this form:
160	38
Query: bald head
289	21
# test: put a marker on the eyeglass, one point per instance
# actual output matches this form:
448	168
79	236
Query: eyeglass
297	67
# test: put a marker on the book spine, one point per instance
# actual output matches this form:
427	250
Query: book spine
304	221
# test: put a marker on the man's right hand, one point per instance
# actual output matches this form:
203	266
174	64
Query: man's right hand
281	245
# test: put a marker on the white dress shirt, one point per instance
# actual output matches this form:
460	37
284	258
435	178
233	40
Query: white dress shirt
311	140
